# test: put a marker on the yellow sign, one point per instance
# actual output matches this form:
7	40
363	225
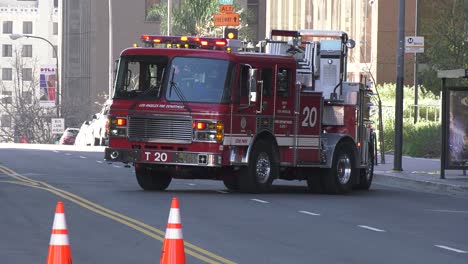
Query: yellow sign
229	19
226	8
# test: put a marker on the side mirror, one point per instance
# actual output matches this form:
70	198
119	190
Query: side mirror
253	84
350	43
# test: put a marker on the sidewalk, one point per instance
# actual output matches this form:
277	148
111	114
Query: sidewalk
421	175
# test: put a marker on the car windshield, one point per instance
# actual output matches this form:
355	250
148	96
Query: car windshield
140	76
199	80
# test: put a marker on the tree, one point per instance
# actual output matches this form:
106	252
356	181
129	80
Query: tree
445	28
195	18
20	107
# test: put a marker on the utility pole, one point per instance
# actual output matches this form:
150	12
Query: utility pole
111	47
398	142
416	107
169	13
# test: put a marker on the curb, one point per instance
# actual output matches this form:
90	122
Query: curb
421	185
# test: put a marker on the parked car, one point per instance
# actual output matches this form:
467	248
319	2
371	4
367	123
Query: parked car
98	126
84	137
69	135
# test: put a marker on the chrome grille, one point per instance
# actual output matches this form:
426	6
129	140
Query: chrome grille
160	129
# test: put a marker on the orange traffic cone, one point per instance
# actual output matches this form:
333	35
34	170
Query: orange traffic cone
173	247
59	247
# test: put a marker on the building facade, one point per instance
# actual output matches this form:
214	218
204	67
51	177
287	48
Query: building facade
28	58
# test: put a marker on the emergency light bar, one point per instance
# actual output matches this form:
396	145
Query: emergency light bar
191	42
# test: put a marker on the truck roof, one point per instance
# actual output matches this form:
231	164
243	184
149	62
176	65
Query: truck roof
216	54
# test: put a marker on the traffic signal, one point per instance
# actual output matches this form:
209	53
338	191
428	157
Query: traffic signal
231	33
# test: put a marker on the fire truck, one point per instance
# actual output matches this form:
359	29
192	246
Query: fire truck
208	108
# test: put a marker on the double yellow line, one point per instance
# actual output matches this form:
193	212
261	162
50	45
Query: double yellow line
148	230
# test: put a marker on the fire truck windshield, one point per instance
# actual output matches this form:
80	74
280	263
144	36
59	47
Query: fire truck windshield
140	76
199	80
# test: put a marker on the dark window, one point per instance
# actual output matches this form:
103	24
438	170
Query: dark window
26	51
7	27
27	74
283	82
6	121
27	97
243	83
267	77
7	50
6	97
55	28
27	27
7	74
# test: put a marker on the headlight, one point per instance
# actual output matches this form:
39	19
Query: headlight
117	126
208	131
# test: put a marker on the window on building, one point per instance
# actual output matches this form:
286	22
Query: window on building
7	74
27	97
27	74
7	27
55	28
26	51
6	121
7	50
55	51
6	97
27	27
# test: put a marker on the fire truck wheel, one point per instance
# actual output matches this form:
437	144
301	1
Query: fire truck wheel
339	178
231	183
367	175
151	179
261	170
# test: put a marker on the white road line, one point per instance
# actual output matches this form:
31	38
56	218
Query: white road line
260	201
68	154
309	213
222	191
371	228
115	166
98	161
448	211
83	157
191	184
56	151
451	249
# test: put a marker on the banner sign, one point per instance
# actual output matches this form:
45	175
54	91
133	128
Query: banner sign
48	86
457	128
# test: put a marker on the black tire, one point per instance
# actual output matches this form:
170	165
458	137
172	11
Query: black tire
315	181
340	177
231	182
152	179
366	175
262	169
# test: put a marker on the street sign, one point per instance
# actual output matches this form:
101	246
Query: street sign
226	8
414	44
231	19
226	2
58	125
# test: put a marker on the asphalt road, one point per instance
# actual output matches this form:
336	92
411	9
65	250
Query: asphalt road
111	220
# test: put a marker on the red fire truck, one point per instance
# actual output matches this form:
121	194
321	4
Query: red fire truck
206	108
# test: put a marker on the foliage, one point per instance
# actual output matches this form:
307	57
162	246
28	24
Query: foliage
195	18
28	118
446	41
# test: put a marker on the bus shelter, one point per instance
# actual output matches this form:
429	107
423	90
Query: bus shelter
454	154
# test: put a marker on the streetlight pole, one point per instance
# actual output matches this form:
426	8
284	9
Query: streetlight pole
57	93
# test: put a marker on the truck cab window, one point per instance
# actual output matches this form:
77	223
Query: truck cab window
282	82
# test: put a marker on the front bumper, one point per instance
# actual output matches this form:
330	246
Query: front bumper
163	157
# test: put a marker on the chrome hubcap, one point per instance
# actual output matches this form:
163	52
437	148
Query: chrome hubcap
263	168
343	169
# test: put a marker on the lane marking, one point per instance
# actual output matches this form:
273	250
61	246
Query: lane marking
309	213
191	184
56	151
67	154
115	166
83	157
139	226
221	191
260	201
98	161
451	249
371	228
447	211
